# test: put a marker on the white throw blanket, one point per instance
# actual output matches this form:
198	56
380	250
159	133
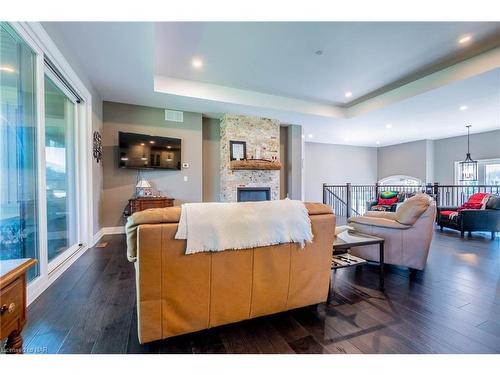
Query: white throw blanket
223	226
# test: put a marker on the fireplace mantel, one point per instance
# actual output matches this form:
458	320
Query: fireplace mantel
265	165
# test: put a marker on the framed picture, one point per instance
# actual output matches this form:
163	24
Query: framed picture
237	150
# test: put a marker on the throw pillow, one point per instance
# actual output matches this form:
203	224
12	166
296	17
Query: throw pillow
493	202
388	194
388	201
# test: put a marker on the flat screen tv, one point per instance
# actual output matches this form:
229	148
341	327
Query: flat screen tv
141	151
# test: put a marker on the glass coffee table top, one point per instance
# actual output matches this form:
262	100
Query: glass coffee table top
350	238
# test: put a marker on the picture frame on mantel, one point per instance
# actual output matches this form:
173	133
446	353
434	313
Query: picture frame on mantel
237	150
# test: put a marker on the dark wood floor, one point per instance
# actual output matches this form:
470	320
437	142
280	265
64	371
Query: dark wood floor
452	307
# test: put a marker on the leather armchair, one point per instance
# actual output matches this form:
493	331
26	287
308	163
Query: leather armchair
405	244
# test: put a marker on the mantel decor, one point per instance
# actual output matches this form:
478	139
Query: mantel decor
237	150
255	164
468	167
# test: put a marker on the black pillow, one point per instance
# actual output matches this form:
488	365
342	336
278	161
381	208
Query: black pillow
493	203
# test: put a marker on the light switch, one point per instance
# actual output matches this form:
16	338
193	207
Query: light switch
185	178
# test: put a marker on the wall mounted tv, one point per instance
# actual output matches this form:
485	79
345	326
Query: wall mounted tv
141	151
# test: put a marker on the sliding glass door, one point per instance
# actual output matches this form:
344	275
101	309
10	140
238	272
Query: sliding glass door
43	171
18	150
60	168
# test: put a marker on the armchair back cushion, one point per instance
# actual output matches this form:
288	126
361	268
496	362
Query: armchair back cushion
410	210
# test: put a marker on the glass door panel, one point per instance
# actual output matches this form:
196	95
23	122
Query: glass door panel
60	169
18	145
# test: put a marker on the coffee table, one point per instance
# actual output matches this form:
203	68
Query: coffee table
353	238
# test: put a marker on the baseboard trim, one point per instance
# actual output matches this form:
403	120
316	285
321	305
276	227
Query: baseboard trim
113	230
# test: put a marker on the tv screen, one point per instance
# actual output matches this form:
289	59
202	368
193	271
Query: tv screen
141	151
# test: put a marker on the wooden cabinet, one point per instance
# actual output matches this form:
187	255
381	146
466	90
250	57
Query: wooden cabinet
13	302
143	203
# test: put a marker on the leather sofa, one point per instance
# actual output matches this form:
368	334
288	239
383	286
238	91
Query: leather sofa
407	232
178	293
472	220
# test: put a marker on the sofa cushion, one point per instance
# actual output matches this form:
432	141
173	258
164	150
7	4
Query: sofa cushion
493	202
318	208
411	209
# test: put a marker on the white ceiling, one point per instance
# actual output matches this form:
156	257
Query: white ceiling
280	58
245	62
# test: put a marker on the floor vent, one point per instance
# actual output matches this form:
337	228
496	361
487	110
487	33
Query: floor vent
175	116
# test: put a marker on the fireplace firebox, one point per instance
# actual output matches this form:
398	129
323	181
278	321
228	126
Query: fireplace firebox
253	194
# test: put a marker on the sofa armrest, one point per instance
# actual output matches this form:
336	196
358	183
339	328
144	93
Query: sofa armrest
377	222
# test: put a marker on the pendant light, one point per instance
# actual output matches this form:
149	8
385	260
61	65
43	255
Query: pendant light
468	167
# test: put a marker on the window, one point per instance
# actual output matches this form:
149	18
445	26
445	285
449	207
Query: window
18	145
492	174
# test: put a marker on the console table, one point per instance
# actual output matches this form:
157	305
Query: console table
143	203
13	302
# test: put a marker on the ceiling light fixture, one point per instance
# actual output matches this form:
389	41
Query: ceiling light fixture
152	142
348	94
377	142
197	63
464	39
8	69
463	108
142	144
388	126
319	52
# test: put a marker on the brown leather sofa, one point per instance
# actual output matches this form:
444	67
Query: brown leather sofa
178	293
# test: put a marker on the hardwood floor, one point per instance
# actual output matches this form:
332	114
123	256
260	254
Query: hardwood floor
452	307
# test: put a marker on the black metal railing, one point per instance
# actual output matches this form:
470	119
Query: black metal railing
348	200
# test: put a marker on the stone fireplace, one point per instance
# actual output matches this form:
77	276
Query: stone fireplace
260	134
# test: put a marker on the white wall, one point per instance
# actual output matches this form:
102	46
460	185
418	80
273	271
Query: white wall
337	164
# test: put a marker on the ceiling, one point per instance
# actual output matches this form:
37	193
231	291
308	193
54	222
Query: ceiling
397	72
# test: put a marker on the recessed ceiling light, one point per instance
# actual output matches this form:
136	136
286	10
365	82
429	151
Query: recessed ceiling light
319	52
303	136
348	94
463	108
464	39
310	136
388	126
151	142
5	68
377	142
169	146
197	63
142	144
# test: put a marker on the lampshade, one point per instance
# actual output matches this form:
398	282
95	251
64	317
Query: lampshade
142	183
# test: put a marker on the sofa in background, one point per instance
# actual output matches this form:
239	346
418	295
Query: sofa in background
178	293
407	232
387	201
473	216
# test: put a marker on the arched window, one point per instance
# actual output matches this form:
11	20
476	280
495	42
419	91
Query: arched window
400	180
